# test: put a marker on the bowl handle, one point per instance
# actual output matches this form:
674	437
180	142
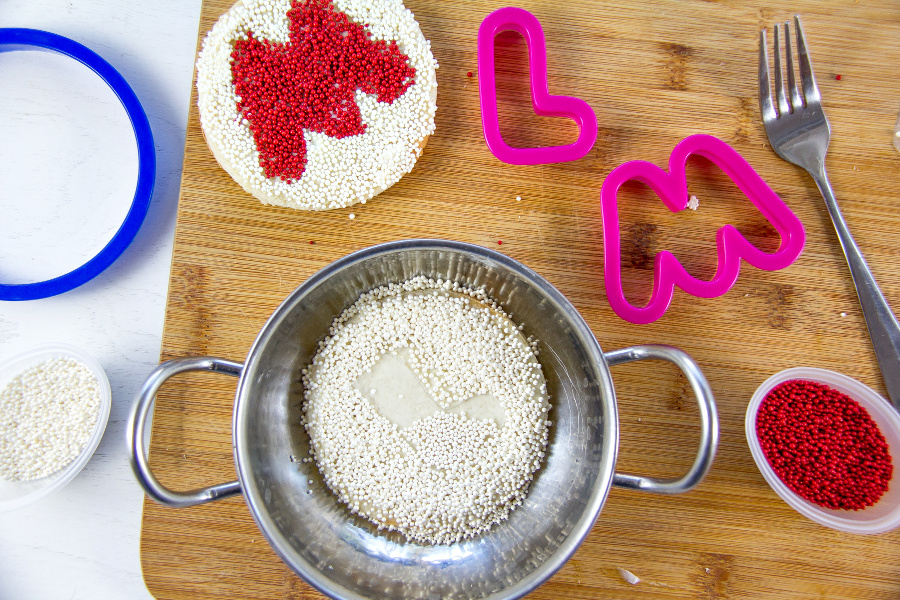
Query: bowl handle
709	421
137	423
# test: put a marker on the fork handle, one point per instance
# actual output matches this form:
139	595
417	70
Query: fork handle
883	327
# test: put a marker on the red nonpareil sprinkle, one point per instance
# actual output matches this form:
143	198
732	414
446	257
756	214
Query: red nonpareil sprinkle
823	445
499	242
469	74
838	77
311	242
310	82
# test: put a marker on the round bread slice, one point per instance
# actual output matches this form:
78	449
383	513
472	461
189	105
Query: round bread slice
339	172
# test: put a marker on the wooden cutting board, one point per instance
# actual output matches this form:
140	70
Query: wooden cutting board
654	72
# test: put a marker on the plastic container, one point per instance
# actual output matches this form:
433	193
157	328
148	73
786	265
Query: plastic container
884	515
16	494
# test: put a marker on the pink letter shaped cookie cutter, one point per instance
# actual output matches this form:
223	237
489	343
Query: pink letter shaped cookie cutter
731	246
522	21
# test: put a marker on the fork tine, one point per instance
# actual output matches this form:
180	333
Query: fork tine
783	107
765	88
796	102
807	78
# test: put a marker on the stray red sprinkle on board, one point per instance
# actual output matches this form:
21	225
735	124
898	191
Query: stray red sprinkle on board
499	242
469	74
838	77
311	242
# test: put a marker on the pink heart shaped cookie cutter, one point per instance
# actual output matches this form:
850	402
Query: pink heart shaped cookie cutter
522	21
731	246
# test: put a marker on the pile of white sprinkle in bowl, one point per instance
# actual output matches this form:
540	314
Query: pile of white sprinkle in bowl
454	456
54	406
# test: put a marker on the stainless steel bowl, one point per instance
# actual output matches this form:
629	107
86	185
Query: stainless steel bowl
344	556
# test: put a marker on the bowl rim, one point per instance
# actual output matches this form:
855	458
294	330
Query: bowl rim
873	402
56	481
254	497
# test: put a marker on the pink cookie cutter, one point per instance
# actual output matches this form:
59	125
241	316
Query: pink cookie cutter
522	21
731	246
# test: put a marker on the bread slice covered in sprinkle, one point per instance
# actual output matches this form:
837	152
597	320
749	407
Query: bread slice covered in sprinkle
316	104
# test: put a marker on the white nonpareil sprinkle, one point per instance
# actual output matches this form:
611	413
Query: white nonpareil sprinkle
628	576
445	477
47	415
339	172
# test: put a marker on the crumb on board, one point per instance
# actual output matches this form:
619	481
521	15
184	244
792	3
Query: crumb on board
518	198
628	576
843	314
351	216
693	203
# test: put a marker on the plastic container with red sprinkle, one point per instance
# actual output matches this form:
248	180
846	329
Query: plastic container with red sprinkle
881	516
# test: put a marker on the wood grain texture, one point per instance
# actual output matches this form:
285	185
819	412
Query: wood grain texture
654	72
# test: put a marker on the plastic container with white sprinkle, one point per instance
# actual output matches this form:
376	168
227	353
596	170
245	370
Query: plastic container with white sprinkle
17	494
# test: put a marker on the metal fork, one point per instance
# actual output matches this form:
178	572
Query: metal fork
799	133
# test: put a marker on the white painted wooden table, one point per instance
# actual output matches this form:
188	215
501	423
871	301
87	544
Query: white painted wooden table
67	172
